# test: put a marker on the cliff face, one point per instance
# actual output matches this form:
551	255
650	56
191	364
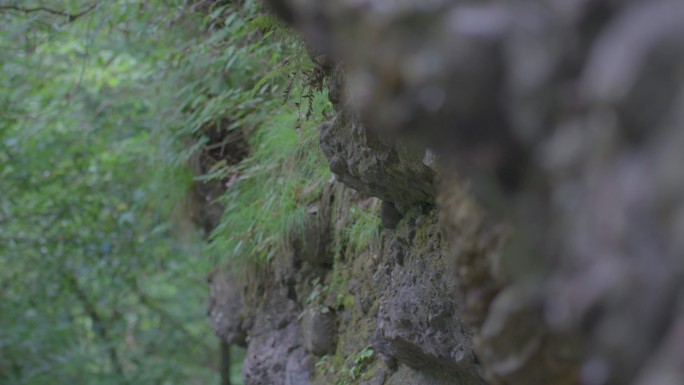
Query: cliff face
386	312
528	158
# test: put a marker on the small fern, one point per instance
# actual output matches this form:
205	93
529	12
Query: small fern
267	23
288	88
304	75
287	67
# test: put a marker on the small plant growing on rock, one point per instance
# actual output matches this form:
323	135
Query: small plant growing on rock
297	66
355	365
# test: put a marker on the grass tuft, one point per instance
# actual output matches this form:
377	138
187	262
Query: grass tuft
267	205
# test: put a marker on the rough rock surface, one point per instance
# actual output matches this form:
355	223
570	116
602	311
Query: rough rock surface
274	347
318	327
397	297
565	119
361	160
225	309
418	315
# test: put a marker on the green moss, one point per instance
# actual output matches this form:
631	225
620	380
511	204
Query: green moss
348	301
371	370
338	286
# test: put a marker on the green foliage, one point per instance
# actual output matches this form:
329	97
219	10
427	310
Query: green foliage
363	229
269	23
290	68
103	106
353	367
237	83
301	73
268	204
100	282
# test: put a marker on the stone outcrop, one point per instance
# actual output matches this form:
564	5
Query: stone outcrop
362	159
399	297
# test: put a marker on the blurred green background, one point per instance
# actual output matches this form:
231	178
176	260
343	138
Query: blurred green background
103	105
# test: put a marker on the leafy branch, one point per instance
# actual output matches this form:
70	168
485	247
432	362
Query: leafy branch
298	67
97	321
71	17
165	315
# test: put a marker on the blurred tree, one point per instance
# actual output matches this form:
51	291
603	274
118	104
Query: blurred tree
103	105
98	285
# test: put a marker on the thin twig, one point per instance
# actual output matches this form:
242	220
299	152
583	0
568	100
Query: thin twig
70	16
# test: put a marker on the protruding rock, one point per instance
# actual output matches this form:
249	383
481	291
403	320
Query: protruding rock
226	309
319	330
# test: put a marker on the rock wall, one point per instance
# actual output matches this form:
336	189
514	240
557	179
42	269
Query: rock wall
387	315
529	158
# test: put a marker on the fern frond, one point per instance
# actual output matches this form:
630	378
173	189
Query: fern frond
309	100
267	23
288	89
283	69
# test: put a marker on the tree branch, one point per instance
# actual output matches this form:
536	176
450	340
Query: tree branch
150	304
98	323
70	16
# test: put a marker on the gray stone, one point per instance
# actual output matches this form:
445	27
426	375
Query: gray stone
273	339
226	309
389	215
299	368
319	329
363	161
